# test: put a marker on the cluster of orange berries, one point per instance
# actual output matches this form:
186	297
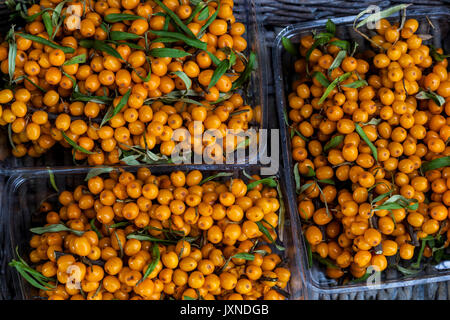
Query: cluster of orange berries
46	100
198	231
372	139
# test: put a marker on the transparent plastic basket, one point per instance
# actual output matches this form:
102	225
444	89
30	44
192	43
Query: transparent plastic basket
256	94
283	78
25	191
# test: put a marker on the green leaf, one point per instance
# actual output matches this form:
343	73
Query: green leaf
364	278
311	172
57	13
297	178
168	52
341	44
46	42
217	175
333	85
216	61
188	298
120	35
319	76
52	179
398	202
270	181
363	135
119	17
12	52
209	21
356	84
331	27
416	265
100	46
74	145
333	143
77	96
382	14
179	36
56	228
94	172
245	256
183	76
30	81
304	187
326	181
264	230
115	110
48	24
130	44
325	261
289	46
143	237
28	276
424	95
436	164
204	14
245	75
175	18
77	59
338	60
156	254
406	271
220	71
34	16
94	228
436	55
11	142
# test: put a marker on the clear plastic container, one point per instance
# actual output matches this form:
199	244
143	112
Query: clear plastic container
283	78
26	189
256	95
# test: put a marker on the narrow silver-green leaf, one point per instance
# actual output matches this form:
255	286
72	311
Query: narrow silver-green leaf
220	71
100	46
319	76
382	14
115	110
75	145
423	95
333	143
338	60
209	21
179	36
48	23
119	17
356	84
363	135
217	175
52	179
289	46
168	53
55	228
245	75
333	85
436	164
94	172
76	60
175	18
120	35
183	76
330	26
155	260
46	42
